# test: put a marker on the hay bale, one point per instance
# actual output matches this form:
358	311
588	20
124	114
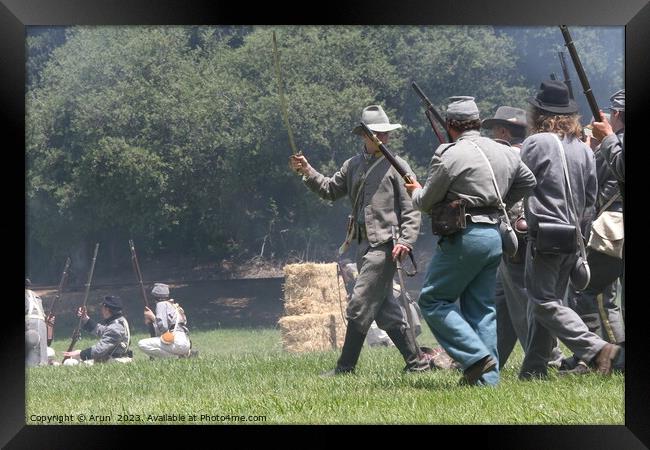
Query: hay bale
312	289
312	332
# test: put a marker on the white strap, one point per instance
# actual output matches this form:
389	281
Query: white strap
579	238
496	186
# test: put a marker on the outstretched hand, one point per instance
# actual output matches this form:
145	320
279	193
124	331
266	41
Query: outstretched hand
299	163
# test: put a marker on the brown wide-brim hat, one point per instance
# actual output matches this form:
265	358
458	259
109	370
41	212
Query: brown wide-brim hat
376	120
553	97
506	115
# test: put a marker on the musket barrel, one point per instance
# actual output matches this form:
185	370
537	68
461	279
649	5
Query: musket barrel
595	111
77	332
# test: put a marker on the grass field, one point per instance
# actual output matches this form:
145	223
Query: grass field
243	376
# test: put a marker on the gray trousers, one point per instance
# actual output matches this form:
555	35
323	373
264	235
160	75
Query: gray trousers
547	278
600	313
511	303
372	296
35	342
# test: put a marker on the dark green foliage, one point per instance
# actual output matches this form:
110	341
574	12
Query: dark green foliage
173	135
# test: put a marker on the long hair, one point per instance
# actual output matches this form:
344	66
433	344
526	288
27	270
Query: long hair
560	124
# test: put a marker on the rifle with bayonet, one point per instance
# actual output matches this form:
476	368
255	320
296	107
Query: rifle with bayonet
76	334
565	72
432	114
138	274
50	318
595	111
389	156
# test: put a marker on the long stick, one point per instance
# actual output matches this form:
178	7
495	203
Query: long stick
77	332
49	320
595	111
565	72
138	274
283	101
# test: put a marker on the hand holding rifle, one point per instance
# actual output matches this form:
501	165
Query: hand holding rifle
603	128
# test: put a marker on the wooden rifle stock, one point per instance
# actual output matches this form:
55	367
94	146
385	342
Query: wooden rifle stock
49	320
389	156
595	111
77	332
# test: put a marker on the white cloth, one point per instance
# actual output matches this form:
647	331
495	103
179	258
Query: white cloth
156	348
377	337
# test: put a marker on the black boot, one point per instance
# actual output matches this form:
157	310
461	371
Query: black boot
350	352
409	350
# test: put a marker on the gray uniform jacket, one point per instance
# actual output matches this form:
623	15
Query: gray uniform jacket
166	317
458	170
547	202
114	341
608	185
612	149
384	201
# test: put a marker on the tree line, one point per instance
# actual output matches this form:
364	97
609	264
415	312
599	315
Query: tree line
173	136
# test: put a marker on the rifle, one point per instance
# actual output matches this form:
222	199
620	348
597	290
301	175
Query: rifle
77	332
581	73
432	114
49	320
553	77
565	72
405	301
389	156
138	274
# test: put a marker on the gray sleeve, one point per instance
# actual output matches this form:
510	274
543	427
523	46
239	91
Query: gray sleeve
410	217
612	149
330	188
110	338
435	188
522	185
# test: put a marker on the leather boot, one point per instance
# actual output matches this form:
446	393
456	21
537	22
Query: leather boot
350	352
409	350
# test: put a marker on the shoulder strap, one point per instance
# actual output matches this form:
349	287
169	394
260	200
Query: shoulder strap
581	242
496	186
609	203
363	180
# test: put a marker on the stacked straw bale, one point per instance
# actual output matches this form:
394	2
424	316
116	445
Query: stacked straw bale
313	320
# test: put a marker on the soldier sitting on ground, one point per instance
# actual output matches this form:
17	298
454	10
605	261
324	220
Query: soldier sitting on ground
170	324
114	336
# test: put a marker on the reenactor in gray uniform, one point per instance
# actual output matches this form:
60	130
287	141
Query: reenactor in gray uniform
379	203
508	126
596	304
548	208
612	144
114	336
465	265
170	323
35	329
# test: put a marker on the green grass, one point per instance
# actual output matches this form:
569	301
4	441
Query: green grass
245	372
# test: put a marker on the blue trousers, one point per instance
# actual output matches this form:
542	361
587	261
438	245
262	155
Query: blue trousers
465	268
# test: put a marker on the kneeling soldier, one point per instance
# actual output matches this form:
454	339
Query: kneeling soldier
170	325
114	334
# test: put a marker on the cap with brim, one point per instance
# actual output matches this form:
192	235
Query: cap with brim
618	101
506	115
553	97
376	120
160	290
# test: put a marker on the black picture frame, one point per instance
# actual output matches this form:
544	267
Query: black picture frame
15	15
